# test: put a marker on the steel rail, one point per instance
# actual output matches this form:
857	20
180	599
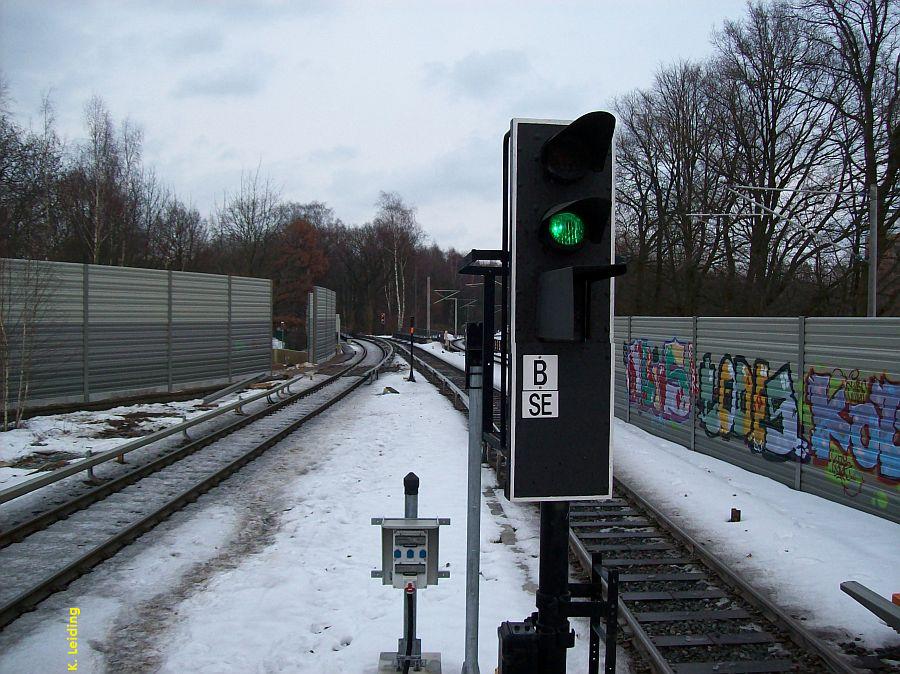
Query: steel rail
45	519
457	392
797	632
642	640
28	600
801	636
36	483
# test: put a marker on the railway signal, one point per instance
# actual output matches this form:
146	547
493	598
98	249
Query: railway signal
562	262
561	246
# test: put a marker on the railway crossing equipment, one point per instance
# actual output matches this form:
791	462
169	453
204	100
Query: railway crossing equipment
409	562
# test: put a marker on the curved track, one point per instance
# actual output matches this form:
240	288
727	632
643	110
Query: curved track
47	553
685	610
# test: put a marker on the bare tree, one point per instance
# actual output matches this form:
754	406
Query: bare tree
861	44
247	220
668	164
131	188
25	291
100	163
396	223
777	138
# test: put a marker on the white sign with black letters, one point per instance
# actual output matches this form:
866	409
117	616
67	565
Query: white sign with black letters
540	387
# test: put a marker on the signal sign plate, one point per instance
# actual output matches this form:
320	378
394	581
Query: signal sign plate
539	373
540	392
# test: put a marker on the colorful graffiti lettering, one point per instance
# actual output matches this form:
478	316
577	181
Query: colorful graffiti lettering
840	469
846	423
856	416
659	378
736	400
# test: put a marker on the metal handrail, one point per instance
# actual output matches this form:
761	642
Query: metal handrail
36	483
458	392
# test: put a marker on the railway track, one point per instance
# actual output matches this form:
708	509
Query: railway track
43	555
684	610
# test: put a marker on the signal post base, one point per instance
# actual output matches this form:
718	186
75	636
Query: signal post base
387	663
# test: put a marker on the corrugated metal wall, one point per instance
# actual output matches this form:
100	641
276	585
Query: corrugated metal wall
321	324
108	332
812	403
251	324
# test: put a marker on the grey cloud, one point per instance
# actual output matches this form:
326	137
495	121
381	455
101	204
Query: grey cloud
194	43
480	74
334	154
222	83
469	171
472	170
240	10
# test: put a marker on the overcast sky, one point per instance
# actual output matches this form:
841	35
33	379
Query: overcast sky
339	100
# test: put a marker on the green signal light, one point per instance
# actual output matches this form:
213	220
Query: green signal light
567	229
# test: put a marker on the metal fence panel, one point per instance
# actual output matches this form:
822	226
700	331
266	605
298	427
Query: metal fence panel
321	324
53	292
851	421
658	362
127	330
813	403
199	327
747	403
251	325
105	332
620	341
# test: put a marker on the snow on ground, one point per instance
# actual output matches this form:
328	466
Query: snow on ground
74	433
797	546
270	571
456	358
307	602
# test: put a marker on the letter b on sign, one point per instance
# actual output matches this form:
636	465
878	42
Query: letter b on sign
539	373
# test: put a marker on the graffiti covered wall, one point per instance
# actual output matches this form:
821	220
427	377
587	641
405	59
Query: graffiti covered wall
747	400
831	429
658	378
853	428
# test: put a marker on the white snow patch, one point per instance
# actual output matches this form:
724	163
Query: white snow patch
307	603
75	432
37	641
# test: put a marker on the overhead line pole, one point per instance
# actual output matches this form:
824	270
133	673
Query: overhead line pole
872	308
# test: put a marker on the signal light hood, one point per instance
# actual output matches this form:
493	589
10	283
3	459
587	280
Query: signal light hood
580	147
